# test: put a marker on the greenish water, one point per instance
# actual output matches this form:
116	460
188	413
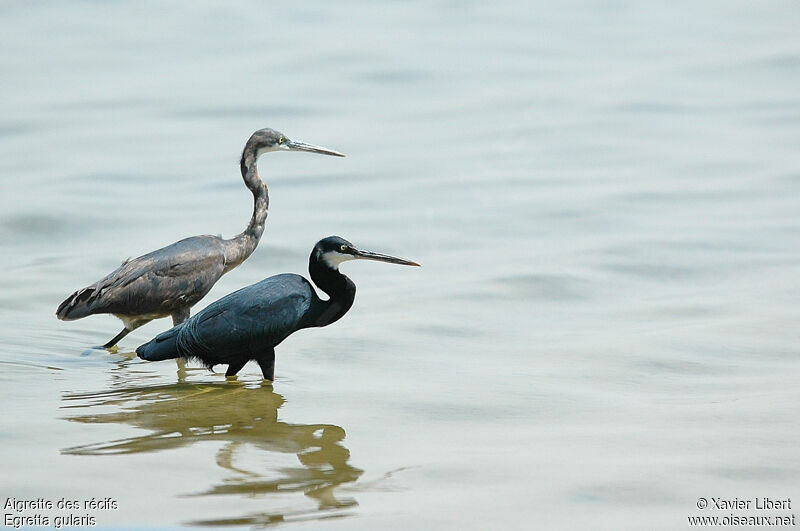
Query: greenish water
603	196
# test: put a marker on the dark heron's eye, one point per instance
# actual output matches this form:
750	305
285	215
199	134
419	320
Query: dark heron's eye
343	248
281	140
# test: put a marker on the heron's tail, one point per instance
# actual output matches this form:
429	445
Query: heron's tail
163	347
76	305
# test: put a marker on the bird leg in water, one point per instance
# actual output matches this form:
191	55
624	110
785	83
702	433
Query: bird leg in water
180	316
235	367
267	363
177	318
116	338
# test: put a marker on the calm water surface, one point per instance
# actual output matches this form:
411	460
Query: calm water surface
605	198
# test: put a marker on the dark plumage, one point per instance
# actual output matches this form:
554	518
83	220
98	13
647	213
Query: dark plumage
171	280
249	323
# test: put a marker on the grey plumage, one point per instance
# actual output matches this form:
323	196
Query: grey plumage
172	279
155	285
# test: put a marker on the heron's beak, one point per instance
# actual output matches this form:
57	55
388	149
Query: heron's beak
369	255
302	146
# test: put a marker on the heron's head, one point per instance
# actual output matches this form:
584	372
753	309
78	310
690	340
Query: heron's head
266	140
334	250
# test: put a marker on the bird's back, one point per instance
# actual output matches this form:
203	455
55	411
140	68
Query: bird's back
247	321
155	284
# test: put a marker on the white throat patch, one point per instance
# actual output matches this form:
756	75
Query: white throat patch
333	258
275	147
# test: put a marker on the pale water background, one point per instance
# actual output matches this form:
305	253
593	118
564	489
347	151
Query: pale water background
604	196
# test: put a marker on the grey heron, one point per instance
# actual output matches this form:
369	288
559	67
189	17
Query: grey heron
249	323
172	279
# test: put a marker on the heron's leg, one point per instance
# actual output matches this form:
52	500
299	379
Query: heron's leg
177	318
116	338
235	367
182	373
266	360
180	316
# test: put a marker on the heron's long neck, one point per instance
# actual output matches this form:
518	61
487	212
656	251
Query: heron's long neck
243	245
340	289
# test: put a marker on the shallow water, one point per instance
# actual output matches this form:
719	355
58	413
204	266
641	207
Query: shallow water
604	198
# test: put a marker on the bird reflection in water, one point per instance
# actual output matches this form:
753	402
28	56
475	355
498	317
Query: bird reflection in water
239	417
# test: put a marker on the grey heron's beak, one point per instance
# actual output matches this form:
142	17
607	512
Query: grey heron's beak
369	255
302	146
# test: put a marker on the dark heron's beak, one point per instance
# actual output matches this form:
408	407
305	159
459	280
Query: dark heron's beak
369	255
302	146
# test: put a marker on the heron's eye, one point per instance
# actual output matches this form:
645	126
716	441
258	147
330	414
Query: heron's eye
281	140
343	248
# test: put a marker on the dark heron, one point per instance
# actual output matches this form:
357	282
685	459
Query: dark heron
171	280
248	324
